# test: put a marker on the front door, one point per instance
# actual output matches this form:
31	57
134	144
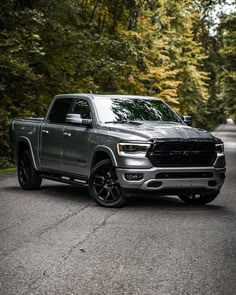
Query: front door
76	141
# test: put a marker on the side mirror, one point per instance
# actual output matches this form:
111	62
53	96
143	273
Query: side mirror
76	119
187	120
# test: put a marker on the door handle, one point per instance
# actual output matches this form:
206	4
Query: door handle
67	134
45	131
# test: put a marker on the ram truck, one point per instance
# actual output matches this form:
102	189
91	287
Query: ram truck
118	146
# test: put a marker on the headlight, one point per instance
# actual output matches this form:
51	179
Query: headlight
137	150
220	148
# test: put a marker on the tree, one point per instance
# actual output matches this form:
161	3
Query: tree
20	44
147	47
189	57
227	74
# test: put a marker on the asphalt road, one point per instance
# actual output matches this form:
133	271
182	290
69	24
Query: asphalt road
58	241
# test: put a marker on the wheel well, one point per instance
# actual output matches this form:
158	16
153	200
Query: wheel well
22	146
99	156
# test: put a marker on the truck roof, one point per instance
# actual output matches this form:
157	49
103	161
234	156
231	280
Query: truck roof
106	96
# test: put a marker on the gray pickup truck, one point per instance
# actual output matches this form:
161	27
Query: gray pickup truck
118	146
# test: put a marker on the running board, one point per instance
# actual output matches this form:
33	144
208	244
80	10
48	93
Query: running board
66	179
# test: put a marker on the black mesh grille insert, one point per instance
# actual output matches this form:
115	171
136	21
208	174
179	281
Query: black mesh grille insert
182	154
166	175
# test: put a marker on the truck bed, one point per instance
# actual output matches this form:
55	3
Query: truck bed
29	129
30	119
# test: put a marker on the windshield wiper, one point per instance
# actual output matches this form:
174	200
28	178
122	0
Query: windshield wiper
124	122
171	122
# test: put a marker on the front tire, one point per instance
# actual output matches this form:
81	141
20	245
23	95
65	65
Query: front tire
199	199
28	177
104	186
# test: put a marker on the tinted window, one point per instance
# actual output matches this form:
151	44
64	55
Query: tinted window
81	107
59	110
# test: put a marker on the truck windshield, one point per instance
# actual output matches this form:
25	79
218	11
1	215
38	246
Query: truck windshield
133	109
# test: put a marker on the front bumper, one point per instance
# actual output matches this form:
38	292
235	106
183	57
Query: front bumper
185	179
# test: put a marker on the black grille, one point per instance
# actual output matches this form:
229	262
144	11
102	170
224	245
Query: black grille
182	154
166	175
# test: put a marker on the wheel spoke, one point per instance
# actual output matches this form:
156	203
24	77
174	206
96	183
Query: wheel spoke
24	172
113	196
104	172
99	180
99	177
101	190
117	188
107	196
105	185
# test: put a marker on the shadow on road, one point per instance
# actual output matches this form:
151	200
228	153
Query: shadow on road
171	202
81	195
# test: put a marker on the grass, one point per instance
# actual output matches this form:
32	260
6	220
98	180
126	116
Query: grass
7	170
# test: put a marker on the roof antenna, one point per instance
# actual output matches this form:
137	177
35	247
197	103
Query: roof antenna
90	92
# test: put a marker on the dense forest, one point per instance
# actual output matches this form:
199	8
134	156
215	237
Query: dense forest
169	49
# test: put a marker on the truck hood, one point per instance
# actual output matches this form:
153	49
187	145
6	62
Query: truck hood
159	130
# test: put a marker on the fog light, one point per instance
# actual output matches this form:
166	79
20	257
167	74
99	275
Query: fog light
133	176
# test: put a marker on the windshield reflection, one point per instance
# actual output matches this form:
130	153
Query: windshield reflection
126	109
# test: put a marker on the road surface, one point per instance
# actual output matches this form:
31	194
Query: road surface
58	241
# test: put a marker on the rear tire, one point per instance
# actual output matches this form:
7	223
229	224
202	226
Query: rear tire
28	177
199	199
104	186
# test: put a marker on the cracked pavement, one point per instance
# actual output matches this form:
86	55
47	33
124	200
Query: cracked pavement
58	241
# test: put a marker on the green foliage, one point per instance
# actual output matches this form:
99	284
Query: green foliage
189	58
20	47
227	75
159	48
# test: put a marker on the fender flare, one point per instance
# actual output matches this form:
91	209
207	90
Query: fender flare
105	149
28	143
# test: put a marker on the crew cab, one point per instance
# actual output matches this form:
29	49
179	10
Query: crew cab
118	146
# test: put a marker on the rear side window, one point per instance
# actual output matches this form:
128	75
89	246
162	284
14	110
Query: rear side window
59	110
82	108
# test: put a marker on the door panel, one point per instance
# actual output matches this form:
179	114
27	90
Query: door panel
77	141
76	150
51	146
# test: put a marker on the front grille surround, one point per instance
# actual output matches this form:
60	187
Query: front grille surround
182	153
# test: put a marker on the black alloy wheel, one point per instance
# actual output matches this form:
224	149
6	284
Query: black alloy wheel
28	177
104	186
199	199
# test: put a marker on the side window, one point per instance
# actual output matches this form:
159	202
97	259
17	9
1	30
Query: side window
82	108
59	110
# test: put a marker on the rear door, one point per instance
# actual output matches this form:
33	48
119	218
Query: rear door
52	135
77	141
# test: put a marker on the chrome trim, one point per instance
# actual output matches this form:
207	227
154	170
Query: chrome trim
218	155
67	134
133	155
111	151
131	181
221	145
179	183
150	175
